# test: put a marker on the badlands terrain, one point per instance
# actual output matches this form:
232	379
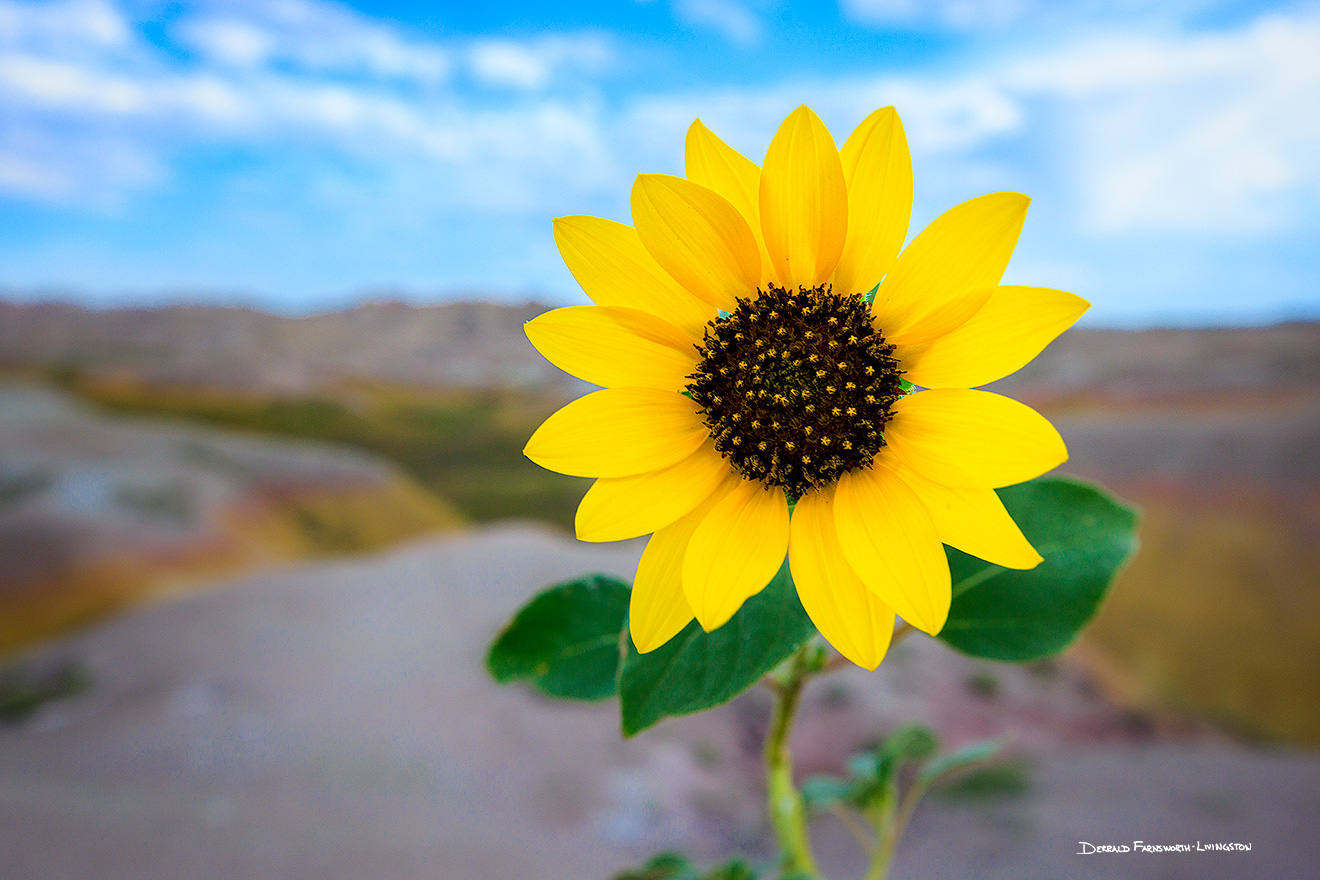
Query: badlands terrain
1213	432
274	549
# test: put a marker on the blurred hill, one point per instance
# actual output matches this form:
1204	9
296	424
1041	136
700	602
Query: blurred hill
482	345
463	344
1214	432
1211	364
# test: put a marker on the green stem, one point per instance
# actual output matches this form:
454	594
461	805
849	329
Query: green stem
890	830
880	856
788	814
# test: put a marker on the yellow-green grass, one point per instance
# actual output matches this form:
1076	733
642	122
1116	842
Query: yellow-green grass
465	446
1219	612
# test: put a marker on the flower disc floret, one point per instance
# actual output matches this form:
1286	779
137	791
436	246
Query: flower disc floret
796	387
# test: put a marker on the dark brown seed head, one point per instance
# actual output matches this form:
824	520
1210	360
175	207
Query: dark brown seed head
796	387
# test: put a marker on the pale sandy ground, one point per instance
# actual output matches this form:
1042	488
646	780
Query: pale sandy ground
335	721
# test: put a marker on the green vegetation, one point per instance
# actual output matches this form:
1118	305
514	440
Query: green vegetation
465	446
24	691
1009	778
16	488
166	503
983	683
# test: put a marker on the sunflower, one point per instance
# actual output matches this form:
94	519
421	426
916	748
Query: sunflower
762	396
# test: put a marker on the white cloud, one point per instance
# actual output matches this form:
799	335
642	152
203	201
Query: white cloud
734	21
504	63
320	38
67	85
28	176
63	25
238	43
992	15
952	13
293	72
313	36
93	167
533	65
1211	133
939	117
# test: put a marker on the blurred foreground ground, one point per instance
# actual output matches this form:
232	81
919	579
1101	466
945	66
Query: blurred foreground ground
335	721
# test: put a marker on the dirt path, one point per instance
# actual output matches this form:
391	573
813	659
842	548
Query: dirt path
335	722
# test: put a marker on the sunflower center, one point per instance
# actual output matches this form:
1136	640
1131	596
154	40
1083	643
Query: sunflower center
796	387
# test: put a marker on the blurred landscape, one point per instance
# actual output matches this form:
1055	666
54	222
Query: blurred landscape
264	390
249	565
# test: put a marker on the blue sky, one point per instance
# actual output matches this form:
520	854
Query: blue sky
300	154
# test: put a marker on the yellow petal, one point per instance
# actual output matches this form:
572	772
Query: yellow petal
878	169
616	508
948	271
1014	326
972	438
658	609
974	521
735	551
717	166
850	617
618	432
889	540
804	201
615	347
697	237
614	269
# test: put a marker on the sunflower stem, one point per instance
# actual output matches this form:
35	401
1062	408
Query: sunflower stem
788	813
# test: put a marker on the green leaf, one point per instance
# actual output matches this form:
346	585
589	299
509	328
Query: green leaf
565	642
961	759
822	792
912	742
876	770
733	870
675	866
665	866
697	670
1085	535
